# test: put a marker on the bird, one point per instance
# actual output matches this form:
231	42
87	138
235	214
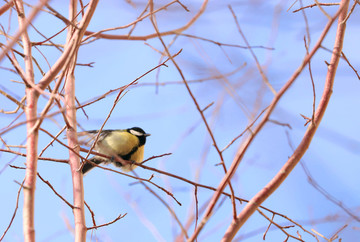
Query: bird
128	144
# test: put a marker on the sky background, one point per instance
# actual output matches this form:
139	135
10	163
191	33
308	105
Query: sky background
169	114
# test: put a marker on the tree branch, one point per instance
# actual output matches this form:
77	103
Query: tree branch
259	198
73	43
246	144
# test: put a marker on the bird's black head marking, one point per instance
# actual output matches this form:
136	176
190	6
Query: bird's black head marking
140	133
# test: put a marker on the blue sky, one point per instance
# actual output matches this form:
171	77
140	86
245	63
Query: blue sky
168	113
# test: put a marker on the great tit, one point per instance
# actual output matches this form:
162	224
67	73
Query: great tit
128	144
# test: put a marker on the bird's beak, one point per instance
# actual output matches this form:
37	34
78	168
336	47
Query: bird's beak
147	135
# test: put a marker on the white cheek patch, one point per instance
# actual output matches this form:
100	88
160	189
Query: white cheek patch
136	133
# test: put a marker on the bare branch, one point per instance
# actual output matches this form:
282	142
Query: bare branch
257	200
23	28
53	189
264	77
351	66
15	210
5	8
150	36
316	4
300	150
73	43
107	224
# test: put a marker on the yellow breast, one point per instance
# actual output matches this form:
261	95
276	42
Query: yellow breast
138	157
121	143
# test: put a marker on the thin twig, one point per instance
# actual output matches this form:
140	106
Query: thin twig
267	229
251	207
172	212
150	36
107	224
227	45
277	225
312	83
56	193
91	212
40	158
325	193
257	200
351	66
336	234
23	28
153	20
15	210
263	75
316	4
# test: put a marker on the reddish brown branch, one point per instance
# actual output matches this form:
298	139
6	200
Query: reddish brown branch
255	202
150	36
351	66
326	194
107	224
31	114
74	37
277	225
208	128
314	5
15	210
171	211
22	28
264	77
56	193
91	212
39	158
5	8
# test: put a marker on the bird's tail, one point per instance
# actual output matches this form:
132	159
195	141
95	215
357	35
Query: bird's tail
88	166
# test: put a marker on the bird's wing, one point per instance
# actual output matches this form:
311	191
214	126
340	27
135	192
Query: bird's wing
87	138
